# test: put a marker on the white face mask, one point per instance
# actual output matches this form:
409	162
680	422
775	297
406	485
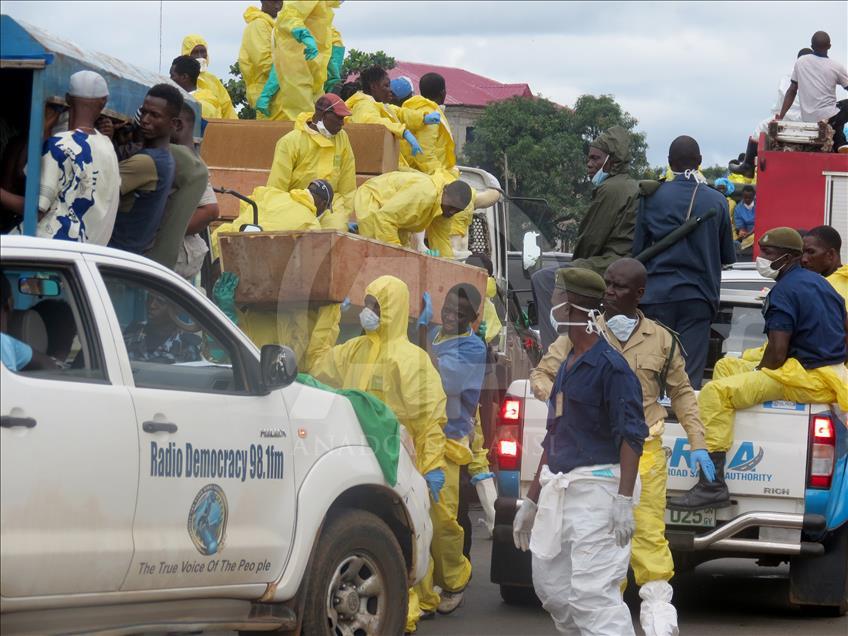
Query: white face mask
692	174
766	267
204	64
369	320
323	129
591	325
622	327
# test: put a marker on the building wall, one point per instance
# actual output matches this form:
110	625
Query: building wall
462	118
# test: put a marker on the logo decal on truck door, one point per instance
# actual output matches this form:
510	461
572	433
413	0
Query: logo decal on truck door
207	520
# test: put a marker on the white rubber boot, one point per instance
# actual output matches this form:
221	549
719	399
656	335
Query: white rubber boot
658	616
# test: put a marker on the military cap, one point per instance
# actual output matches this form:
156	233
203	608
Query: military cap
578	280
783	237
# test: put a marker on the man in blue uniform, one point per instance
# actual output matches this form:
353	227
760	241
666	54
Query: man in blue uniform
577	519
684	279
807	347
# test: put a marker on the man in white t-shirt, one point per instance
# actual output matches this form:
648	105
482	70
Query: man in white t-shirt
80	183
814	79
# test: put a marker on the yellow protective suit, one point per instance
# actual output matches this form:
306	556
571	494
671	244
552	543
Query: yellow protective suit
367	110
301	327
839	280
442	228
479	453
302	81
256	59
738	178
387	365
304	155
738	385
436	140
650	557
210	107
490	313
391	206
209	82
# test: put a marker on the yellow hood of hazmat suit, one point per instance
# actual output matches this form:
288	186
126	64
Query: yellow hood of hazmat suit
387	365
256	58
367	110
302	81
217	95
391	206
303	155
839	280
436	141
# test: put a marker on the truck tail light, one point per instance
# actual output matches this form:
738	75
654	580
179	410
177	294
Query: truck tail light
822	451
508	446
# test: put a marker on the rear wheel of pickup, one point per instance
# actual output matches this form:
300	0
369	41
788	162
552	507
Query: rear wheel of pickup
357	586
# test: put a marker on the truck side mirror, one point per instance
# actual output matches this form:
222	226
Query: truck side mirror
530	251
278	365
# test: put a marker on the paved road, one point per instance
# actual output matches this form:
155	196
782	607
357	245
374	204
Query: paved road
722	598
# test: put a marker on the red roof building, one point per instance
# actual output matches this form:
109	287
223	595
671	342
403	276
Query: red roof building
468	94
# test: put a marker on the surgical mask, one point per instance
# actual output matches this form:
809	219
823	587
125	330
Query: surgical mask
691	174
369	320
601	174
204	64
323	129
765	267
590	323
621	326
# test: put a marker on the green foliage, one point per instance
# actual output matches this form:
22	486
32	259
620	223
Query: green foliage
545	147
235	87
714	172
355	61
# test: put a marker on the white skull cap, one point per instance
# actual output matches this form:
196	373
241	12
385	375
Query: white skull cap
88	85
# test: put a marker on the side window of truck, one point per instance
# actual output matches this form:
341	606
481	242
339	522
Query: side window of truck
51	324
171	344
735	329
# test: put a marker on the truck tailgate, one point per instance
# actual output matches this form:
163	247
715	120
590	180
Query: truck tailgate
766	466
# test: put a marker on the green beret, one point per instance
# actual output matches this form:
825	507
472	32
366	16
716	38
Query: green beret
783	237
578	280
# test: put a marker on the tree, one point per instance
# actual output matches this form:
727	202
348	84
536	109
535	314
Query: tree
356	61
544	146
235	87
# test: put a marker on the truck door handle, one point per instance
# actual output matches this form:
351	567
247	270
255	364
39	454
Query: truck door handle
13	421
158	427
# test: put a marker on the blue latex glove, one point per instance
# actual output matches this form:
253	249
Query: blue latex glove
702	458
481	477
433	118
224	294
353	227
310	46
427	311
346	304
435	480
410	138
272	85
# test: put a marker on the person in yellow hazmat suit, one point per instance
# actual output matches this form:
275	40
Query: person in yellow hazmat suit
391	206
185	71
804	357
387	365
318	148
303	43
437	145
372	105
299	327
196	47
256	60
447	235
822	246
654	355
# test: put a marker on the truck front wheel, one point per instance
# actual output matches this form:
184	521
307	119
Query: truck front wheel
358	581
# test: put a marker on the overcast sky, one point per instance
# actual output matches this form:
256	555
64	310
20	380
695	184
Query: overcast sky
708	69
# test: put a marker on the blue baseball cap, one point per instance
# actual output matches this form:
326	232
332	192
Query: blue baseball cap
402	87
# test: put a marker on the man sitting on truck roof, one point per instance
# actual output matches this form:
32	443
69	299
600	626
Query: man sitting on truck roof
815	78
318	148
804	359
822	245
391	206
654	355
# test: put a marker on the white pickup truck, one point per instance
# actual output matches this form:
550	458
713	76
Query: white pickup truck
786	473
167	477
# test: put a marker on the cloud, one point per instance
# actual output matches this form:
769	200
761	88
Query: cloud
708	69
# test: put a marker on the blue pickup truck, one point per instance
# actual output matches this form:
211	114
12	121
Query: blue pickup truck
787	474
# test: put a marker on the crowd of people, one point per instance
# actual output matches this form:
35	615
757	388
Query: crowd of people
629	319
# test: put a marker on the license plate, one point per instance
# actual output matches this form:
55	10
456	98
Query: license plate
701	518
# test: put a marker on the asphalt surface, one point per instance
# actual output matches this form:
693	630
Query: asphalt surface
724	597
